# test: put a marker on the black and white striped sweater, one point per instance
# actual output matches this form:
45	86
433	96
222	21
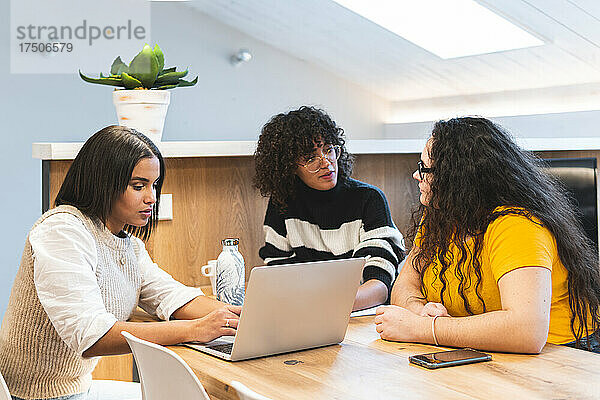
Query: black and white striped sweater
351	220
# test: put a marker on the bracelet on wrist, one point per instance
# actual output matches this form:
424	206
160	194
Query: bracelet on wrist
433	330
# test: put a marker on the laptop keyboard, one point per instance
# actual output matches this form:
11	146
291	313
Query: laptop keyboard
223	348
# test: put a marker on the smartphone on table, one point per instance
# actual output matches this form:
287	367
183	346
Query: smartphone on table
449	358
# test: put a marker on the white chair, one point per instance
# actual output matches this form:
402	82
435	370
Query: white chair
244	393
4	395
163	374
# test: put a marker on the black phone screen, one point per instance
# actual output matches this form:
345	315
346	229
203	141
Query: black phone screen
449	358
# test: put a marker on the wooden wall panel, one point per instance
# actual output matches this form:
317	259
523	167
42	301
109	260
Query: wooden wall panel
118	368
213	198
392	173
58	171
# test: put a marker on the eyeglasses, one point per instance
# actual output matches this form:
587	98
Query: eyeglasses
423	169
330	153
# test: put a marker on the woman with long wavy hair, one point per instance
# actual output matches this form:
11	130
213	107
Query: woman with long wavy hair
500	261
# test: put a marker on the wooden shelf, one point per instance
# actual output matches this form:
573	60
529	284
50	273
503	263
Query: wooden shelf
68	151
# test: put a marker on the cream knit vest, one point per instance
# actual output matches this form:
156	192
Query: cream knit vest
34	360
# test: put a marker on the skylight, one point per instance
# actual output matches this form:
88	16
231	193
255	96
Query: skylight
446	28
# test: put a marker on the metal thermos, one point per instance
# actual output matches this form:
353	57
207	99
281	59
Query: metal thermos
230	273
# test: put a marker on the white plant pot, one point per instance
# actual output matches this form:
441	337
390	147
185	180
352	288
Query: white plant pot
143	110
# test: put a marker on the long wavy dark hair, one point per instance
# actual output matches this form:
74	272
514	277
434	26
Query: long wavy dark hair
284	140
476	168
101	172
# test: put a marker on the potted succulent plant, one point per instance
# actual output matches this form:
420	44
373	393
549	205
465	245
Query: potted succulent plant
142	103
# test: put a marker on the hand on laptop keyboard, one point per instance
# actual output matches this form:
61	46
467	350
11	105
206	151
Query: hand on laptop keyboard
220	322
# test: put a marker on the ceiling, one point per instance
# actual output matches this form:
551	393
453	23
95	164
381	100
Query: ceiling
334	38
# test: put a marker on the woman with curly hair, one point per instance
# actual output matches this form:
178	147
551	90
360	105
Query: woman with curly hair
499	253
316	211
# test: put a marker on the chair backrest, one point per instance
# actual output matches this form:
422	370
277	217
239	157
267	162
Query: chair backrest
244	393
4	394
163	374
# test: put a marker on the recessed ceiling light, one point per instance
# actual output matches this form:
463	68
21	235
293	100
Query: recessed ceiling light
446	28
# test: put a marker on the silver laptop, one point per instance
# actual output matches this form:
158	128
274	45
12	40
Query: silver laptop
292	307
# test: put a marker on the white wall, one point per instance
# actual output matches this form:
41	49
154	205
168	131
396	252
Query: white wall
233	103
228	103
580	124
526	102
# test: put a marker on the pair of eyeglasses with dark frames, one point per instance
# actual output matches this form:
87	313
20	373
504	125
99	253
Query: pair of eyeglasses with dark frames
331	154
423	169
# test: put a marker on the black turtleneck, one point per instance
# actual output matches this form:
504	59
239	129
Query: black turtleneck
350	220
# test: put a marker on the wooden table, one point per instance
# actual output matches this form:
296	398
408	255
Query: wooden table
365	367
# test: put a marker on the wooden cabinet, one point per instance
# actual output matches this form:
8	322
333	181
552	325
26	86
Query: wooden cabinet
119	368
213	198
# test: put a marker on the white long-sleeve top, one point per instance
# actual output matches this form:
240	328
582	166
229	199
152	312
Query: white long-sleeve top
65	266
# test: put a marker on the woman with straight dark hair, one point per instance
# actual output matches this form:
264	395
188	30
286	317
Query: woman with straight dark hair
83	272
500	261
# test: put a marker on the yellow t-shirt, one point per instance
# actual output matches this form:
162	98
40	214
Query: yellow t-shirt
510	242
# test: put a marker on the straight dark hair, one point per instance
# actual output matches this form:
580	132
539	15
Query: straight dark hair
101	173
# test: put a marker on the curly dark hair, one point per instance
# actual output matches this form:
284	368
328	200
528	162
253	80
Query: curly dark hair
476	168
284	140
